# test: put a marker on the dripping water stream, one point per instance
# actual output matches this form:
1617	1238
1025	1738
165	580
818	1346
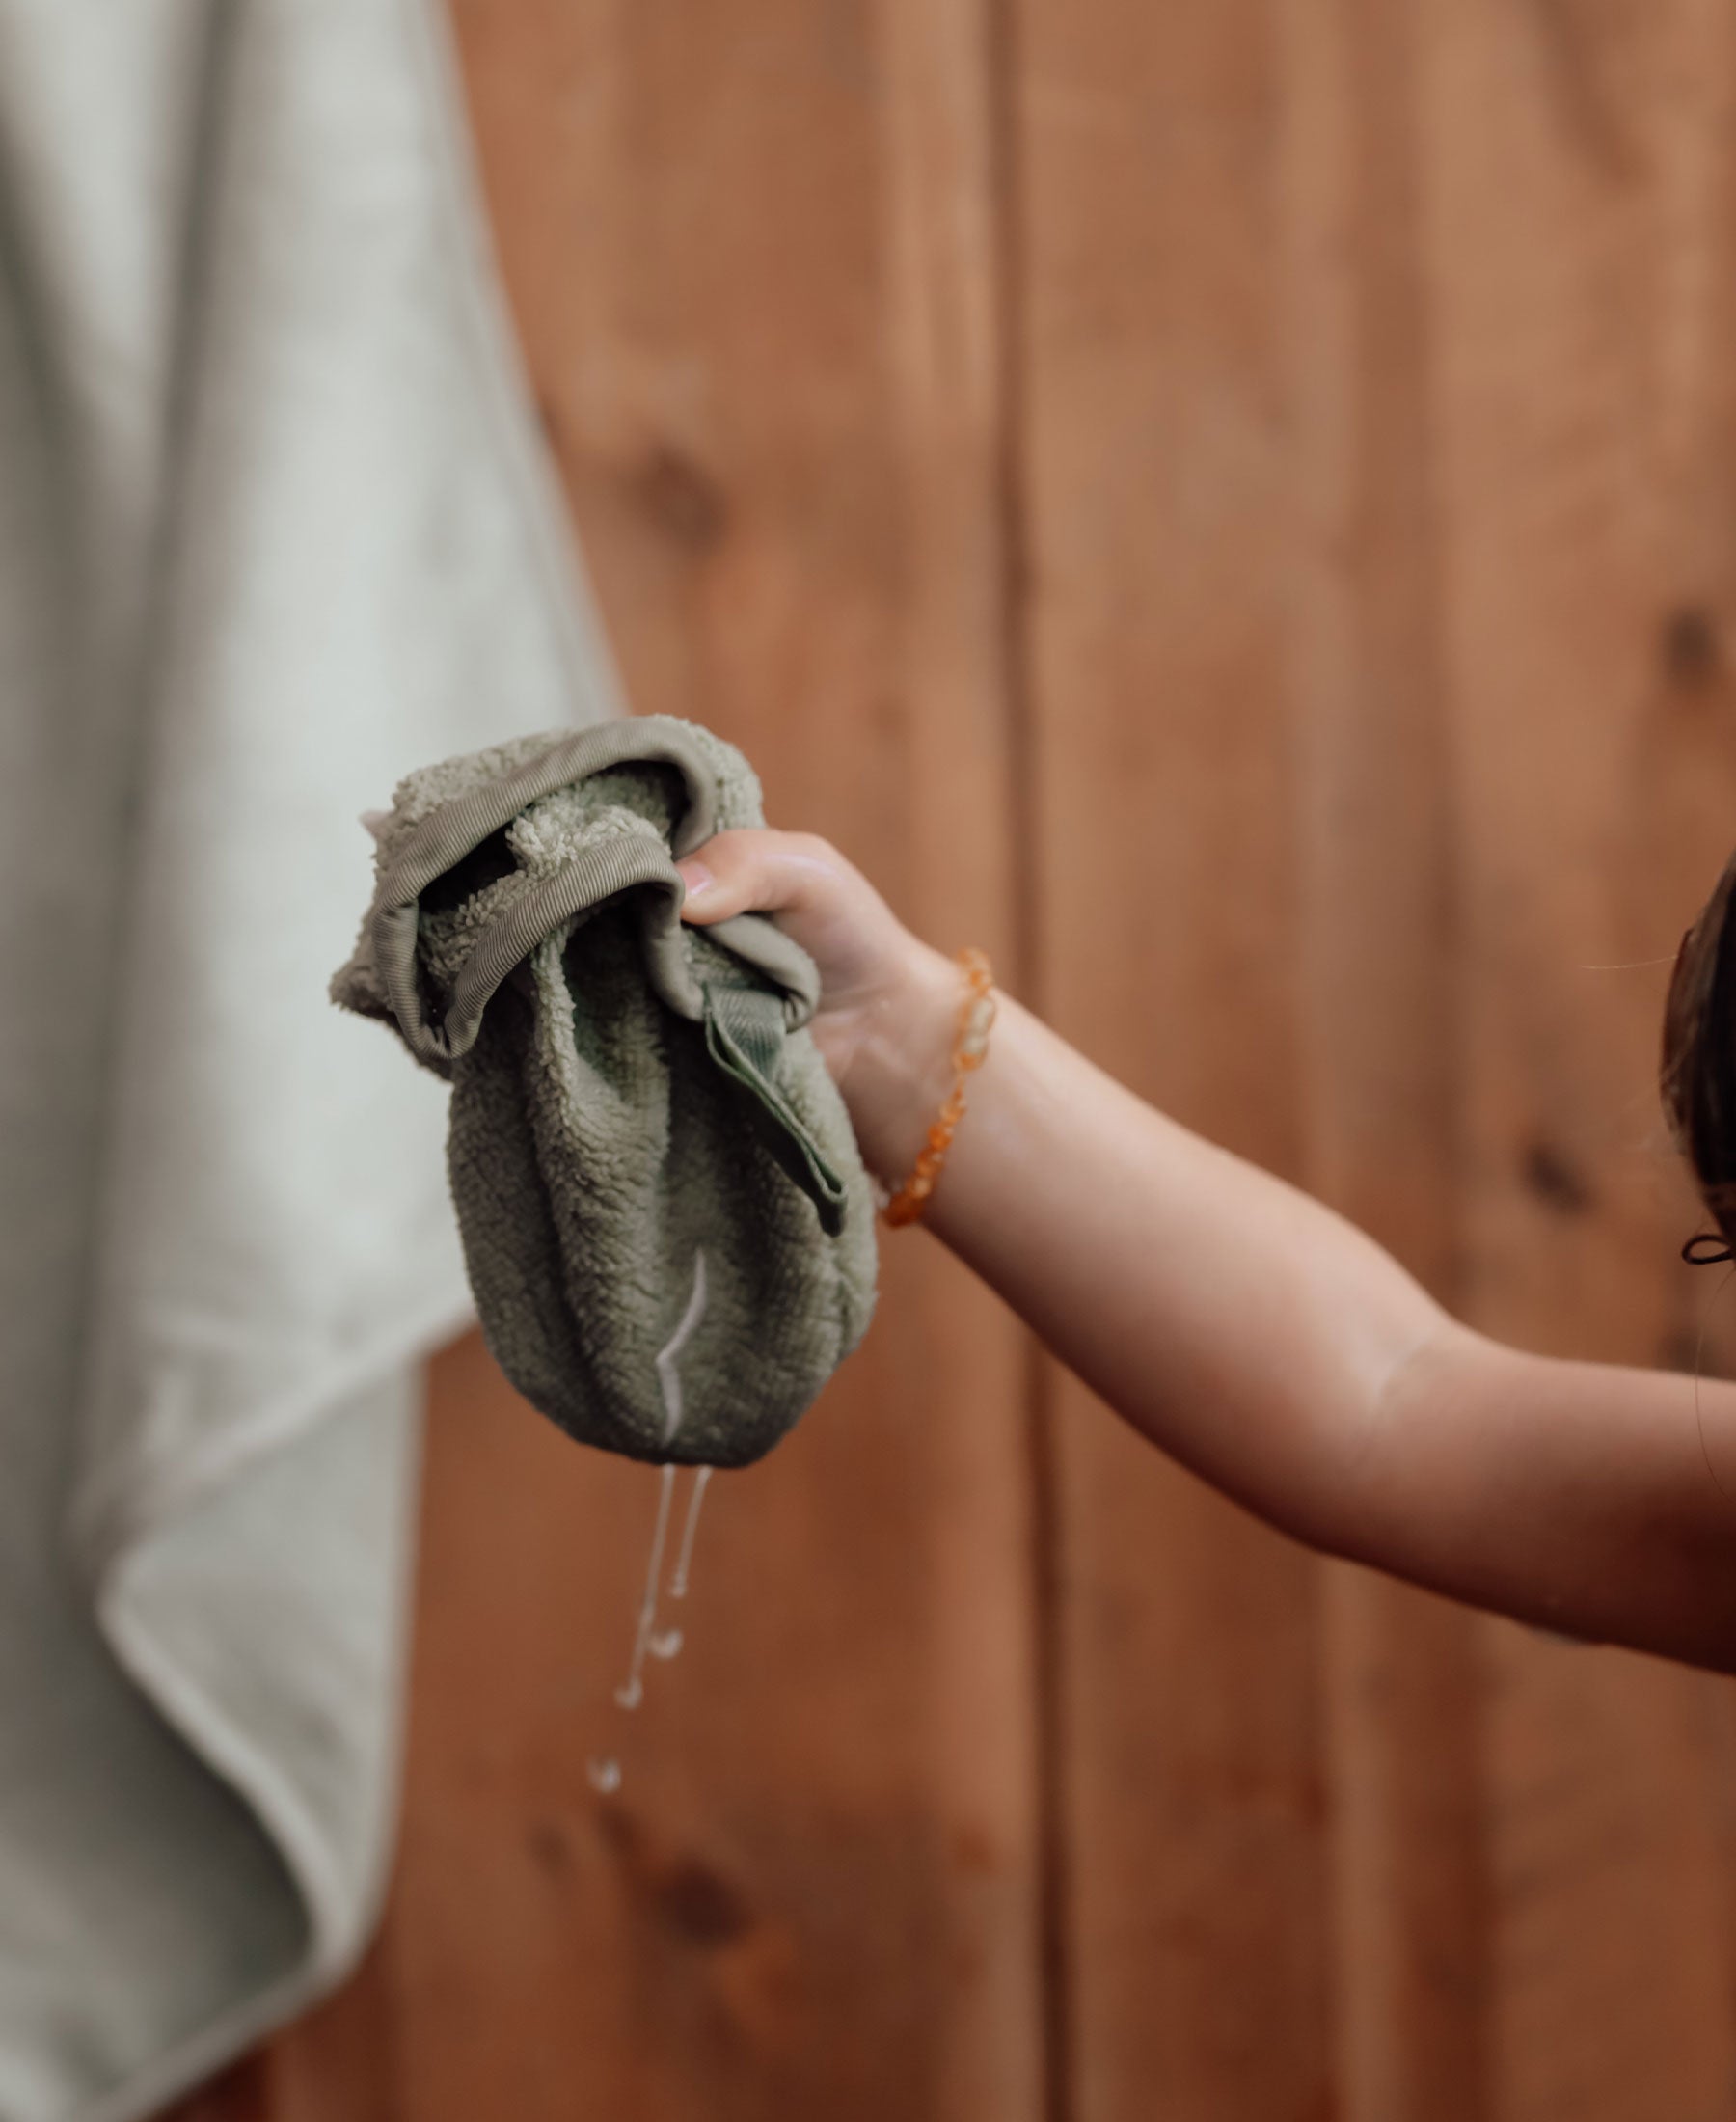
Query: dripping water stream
648	1639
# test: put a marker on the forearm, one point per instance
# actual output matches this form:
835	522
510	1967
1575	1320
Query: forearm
1262	1341
1243	1327
1247	1330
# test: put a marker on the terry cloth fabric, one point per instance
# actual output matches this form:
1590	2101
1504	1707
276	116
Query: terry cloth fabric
274	526
667	1226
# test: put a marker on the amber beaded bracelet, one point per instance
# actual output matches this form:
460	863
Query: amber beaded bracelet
976	1012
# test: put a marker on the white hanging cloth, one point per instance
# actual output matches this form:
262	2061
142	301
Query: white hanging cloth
275	528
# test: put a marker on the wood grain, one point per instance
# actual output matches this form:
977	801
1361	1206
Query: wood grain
1382	964
1572	325
1235	509
1194	1812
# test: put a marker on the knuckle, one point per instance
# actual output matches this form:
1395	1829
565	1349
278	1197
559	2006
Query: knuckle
814	847
731	852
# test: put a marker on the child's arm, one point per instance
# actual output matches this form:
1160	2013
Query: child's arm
1251	1332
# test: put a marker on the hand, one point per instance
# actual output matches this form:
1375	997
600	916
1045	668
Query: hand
889	1001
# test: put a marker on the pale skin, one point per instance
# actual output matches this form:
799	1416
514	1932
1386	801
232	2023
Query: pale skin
1250	1332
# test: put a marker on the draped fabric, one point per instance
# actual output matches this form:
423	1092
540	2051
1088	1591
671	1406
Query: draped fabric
274	529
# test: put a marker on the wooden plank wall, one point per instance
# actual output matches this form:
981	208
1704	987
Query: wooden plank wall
1234	508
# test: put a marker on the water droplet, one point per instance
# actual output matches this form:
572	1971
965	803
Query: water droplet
605	1776
666	1644
630	1692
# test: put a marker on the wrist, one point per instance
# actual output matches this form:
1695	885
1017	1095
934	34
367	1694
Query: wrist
900	1067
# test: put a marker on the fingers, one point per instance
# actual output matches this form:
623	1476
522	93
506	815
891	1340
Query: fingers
817	897
763	871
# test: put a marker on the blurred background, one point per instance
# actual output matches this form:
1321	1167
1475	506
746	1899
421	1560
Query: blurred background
1233	508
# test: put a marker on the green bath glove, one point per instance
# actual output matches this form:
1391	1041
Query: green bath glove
666	1221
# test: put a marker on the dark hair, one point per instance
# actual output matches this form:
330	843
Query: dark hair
1697	1073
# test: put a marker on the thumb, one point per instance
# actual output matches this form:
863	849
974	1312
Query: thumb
819	898
762	871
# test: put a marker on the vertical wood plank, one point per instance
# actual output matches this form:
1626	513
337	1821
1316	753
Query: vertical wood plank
1151	441
1580	172
1372	477
1380	999
339	2062
769	367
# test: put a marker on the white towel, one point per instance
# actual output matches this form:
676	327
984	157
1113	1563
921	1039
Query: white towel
274	529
